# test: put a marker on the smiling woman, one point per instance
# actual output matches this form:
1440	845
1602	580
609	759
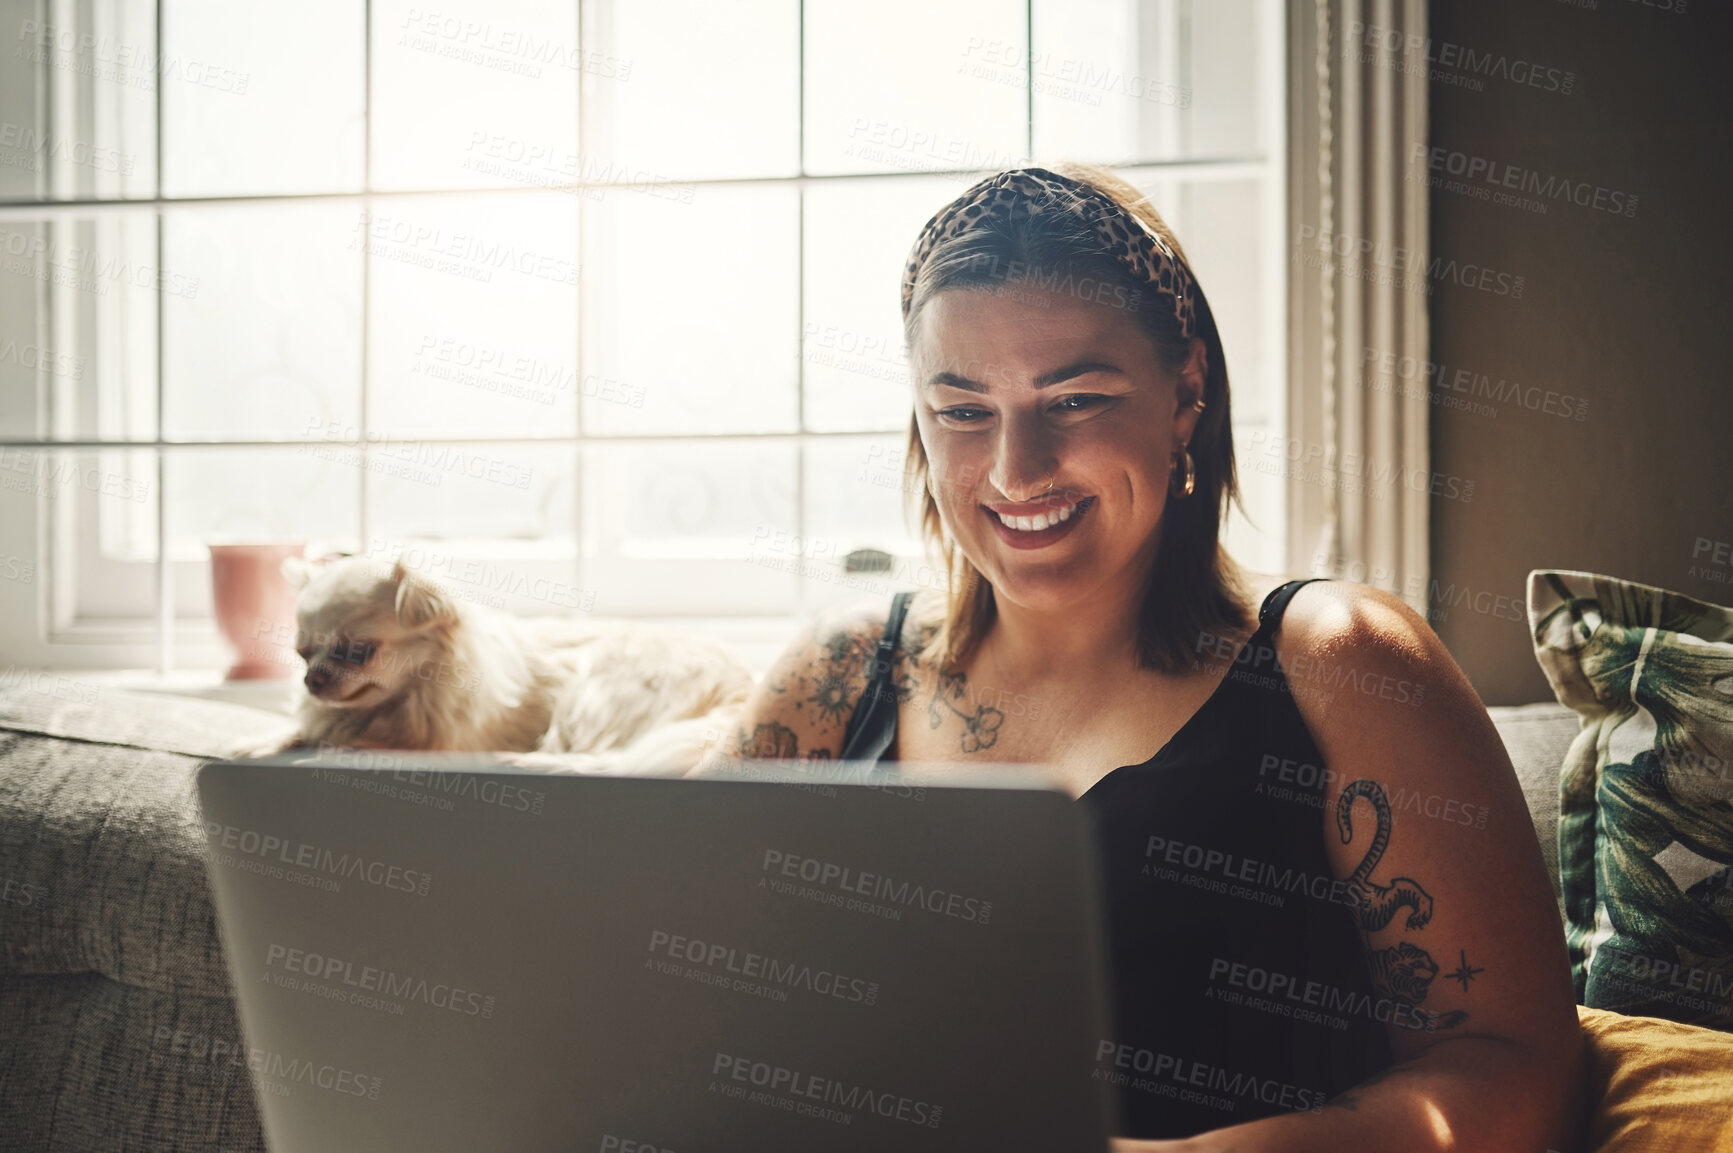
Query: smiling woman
1068	262
1294	961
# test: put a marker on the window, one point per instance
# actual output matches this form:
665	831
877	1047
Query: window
582	307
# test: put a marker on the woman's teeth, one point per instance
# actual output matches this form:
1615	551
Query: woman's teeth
1037	523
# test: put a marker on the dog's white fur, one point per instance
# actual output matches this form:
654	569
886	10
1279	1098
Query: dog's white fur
394	660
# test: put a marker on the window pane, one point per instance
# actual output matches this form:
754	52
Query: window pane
78	101
1120	81
1222	226
499	491
473	307
692	89
474	93
889	86
268	344
262	98
78	301
858	234
855	496
691	311
683	527
253	495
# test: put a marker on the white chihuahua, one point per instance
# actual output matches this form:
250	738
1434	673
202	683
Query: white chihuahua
394	660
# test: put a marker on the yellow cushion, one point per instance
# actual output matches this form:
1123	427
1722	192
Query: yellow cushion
1657	1085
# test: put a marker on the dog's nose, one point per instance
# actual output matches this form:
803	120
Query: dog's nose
317	678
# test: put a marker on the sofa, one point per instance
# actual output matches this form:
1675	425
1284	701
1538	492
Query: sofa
118	1028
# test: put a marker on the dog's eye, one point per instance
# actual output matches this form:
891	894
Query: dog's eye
356	652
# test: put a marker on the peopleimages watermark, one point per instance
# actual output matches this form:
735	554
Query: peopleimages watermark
414	460
1686	986
395	777
1196	1082
315	866
1461	388
1712	560
1070	78
551	165
1285	779
56	685
273	1073
1447	62
34	356
1398	266
519	376
1323	672
503	49
1674	6
84	269
1307	1001
23	894
466	255
1439	598
614	1143
1507	184
474	579
821	558
864	354
802	1088
1232	875
743	970
1314	462
41	473
919	149
24	146
104	58
828	880
369	986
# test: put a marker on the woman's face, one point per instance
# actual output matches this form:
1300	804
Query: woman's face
1012	391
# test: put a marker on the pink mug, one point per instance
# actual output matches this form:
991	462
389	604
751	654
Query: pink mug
255	608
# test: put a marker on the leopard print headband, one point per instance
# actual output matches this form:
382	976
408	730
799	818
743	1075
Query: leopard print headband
1030	191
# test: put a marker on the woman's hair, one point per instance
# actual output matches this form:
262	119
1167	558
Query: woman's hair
1194	586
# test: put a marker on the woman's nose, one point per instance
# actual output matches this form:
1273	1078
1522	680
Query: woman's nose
1024	461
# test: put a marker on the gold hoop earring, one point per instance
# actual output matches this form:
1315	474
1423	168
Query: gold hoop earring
1190	482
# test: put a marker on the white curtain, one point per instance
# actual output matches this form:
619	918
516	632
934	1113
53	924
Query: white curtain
1358	403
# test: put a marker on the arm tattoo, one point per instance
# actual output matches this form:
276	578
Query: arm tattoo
1402	973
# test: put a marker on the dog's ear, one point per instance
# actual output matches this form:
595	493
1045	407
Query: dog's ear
297	572
421	604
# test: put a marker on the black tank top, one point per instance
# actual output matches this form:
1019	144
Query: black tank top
1237	978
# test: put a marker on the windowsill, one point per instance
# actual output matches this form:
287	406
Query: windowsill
756	640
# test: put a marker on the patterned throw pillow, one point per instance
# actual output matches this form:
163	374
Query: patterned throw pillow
1646	794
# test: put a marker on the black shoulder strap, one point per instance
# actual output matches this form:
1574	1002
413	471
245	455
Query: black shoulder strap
874	722
1270	612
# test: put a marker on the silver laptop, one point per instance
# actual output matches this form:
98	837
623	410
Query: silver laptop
436	952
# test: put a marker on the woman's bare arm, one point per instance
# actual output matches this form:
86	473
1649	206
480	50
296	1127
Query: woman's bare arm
1453	903
801	707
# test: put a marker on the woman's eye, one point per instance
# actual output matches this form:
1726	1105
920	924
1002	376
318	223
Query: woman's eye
966	415
1083	402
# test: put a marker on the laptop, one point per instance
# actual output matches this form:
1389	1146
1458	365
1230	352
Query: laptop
438	952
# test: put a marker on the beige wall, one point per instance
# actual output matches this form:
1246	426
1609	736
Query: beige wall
1632	314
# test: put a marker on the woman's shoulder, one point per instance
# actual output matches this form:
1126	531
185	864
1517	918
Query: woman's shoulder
802	705
1337	635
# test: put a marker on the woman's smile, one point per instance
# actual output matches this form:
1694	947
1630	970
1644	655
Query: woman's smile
1041	529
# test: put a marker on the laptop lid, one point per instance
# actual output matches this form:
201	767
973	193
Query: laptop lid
435	952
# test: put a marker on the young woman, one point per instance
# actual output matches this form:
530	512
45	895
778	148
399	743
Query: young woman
1328	922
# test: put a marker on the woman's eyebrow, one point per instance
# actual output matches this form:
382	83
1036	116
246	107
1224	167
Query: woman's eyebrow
1057	376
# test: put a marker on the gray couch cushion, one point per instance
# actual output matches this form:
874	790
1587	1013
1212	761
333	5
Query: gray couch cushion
100	845
89	1064
1537	738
